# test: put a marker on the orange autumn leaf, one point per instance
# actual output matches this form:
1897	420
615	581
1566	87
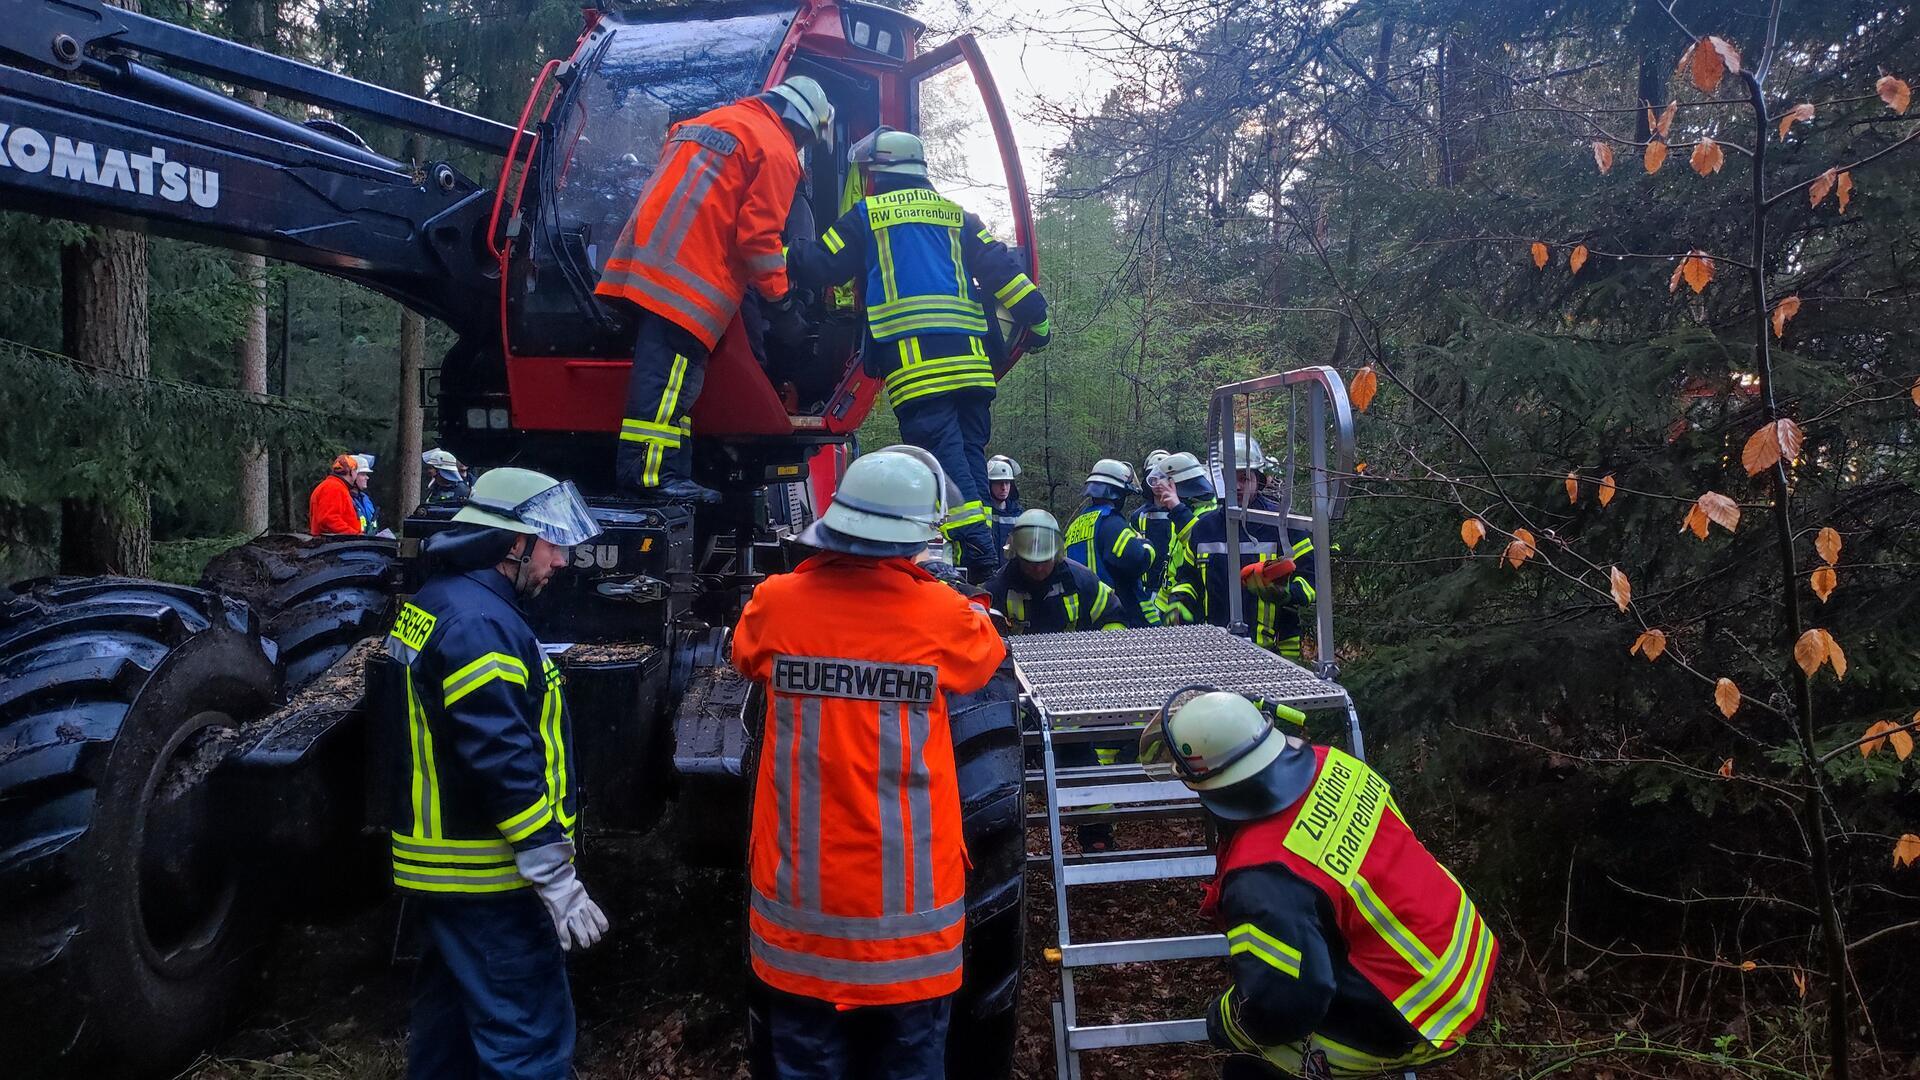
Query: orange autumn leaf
1696	520
1817	647
1915	393
1783	313
1655	156
1539	255
1828	544
1719	509
1798	114
1603	155
1729	55
1894	92
1578	259
1726	768
1707	156
1607	488
1520	549
1573	487
1835	656
1365	385
1843	190
1817	191
1665	124
1650	644
1800	981
1697	268
1875	737
1906	849
1745	965
1686	59
1902	738
1824	581
1706	68
1727	696
1620	587
1771	444
1472	531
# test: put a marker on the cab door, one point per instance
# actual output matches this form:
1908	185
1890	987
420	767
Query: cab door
955	108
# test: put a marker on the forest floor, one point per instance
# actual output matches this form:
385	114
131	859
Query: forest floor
662	998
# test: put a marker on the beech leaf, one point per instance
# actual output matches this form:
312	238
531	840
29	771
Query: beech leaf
1783	313
1707	68
1621	588
1707	156
1835	655
1894	92
1697	268
1696	520
1800	982
1727	696
1875	737
1906	849
1607	488
1729	55
1915	393
1902	739
1655	156
1726	769
1843	190
1472	531
1603	155
1824	581
1365	385
1719	509
1650	644
1573	487
1578	259
1817	191
1828	544
1770	445
1539	255
1665	123
1520	549
1810	652
1798	114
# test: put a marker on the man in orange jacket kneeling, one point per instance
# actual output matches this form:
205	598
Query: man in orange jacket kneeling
858	864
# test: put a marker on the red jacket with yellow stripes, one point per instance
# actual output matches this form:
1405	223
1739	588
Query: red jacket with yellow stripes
708	221
858	864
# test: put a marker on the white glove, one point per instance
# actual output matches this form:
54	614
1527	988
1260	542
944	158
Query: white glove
576	918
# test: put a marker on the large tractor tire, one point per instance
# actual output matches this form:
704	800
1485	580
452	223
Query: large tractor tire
317	595
987	748
126	928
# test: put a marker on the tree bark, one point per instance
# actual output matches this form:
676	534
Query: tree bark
250	28
413	328
104	325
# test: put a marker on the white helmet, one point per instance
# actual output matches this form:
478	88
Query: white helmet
1225	748
889	503
363	463
1155	457
896	153
531	503
1110	479
1191	480
806	106
1002	467
1247	453
442	462
1035	537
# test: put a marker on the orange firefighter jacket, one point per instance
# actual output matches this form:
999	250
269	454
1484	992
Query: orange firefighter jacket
857	860
708	222
330	508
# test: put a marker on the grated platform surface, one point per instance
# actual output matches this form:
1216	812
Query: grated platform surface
1127	673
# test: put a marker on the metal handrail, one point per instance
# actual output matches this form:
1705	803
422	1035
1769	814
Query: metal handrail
1326	391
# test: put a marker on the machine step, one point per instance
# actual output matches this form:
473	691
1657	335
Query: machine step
1106	873
1107	1036
1143	950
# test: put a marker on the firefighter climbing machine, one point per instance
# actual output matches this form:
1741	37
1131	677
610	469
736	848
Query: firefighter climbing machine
1104	687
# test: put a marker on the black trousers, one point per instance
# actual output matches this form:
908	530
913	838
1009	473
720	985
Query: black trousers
805	1039
491	997
669	365
954	427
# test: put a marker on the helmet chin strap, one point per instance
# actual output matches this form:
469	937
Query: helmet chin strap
524	559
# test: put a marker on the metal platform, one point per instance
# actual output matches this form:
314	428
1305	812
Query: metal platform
1092	675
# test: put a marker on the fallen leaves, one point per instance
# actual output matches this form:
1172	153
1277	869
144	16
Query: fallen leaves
1905	850
1573	487
1824	581
1828	544
1771	444
1603	155
1607	488
1783	313
1894	92
1655	156
1726	770
1884	733
1365	384
1843	190
1696	269
1817	191
1712	507
1472	531
1817	647
1578	259
1650	644
1727	696
1520	549
1539	255
1799	114
1707	156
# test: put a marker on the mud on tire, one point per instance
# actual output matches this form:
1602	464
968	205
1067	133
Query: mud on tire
318	595
987	748
125	927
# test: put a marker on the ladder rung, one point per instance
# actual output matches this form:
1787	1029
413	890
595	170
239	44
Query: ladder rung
1086	774
1122	855
1157	791
1161	811
1145	950
1190	866
1149	1034
1116	733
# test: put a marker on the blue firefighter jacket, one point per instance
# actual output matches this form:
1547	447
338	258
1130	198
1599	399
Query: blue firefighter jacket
1071	598
1198	576
1102	540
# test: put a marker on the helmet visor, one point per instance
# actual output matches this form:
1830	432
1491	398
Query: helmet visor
1034	543
557	515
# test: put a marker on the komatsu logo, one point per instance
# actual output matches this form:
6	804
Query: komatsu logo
150	174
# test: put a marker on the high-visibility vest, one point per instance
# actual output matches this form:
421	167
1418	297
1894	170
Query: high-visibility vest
857	860
1409	927
708	221
917	280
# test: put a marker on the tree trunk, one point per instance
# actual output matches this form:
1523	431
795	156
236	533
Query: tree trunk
250	28
413	328
104	325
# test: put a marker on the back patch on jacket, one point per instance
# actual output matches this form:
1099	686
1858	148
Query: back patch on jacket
867	680
410	632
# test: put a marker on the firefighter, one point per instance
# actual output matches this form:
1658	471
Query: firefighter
1043	592
330	506
931	276
487	801
1275	572
1353	952
1003	497
708	224
1184	492
363	505
857	861
1101	540
1153	521
446	478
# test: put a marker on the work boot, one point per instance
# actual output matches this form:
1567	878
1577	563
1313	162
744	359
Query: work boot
1096	836
684	491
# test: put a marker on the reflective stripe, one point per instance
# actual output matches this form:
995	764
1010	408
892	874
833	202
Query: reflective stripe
1072	604
683	206
1017	607
785	747
1015	291
1302	548
956	252
1391	929
810	825
766	263
893	839
858	927
1277	954
648	427
858	972
442	880
494	665
640	288
920	805
1219	547
1425	992
533	818
439	850
712	138
655	459
553	733
1441	1028
425	781
883	251
832	242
